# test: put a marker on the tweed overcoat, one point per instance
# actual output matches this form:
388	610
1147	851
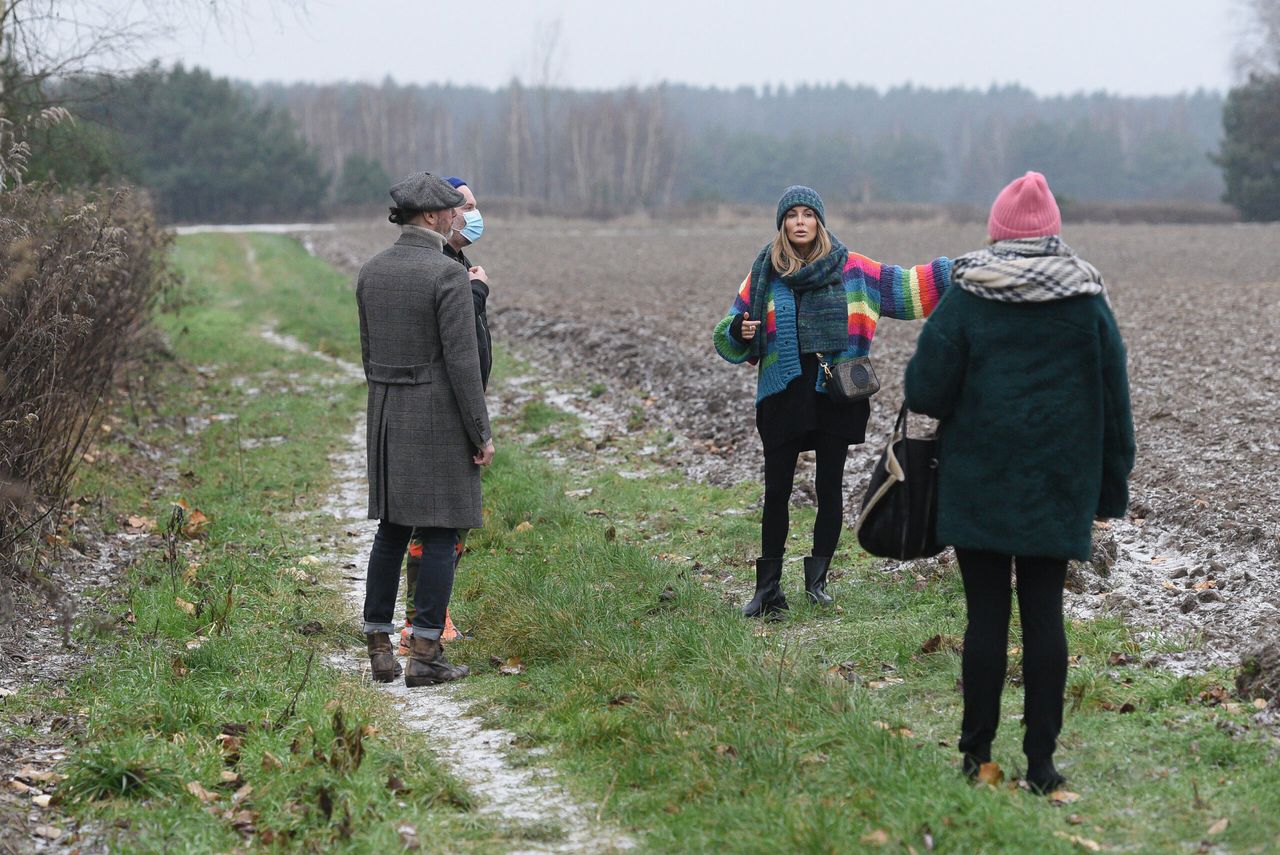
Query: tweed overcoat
427	414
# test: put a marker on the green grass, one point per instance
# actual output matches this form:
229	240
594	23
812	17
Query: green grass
690	727
238	680
714	733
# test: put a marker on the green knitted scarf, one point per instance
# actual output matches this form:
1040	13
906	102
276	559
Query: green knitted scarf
822	309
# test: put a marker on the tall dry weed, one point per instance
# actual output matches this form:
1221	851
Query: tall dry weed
80	276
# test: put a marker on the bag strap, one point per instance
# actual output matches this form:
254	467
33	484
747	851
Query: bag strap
892	465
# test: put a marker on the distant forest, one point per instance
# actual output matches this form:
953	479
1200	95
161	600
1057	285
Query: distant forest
622	149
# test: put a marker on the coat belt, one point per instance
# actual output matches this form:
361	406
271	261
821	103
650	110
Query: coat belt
399	375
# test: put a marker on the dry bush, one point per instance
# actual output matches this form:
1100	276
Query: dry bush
80	276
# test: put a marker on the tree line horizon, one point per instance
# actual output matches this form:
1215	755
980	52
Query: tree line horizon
213	149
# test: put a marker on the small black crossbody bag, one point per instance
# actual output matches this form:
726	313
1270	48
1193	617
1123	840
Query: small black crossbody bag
850	381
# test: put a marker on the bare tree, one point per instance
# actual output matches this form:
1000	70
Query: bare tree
42	41
1258	50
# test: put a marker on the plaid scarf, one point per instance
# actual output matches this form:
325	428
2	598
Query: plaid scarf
1026	270
822	308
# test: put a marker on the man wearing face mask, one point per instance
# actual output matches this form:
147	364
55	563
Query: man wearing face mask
468	232
428	426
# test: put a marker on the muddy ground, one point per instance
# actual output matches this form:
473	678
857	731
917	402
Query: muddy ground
631	305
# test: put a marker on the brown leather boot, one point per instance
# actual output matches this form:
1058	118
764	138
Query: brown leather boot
382	662
427	665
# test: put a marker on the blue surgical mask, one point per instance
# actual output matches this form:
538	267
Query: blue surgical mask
473	225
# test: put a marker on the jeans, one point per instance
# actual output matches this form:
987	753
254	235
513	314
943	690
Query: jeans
414	561
986	641
434	584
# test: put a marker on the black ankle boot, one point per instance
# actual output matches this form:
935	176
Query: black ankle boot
768	599
815	580
1042	777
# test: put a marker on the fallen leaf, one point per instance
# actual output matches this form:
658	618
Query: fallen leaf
1219	826
578	494
195	643
939	643
879	837
596	512
523	527
1082	842
196	525
1119	659
1063	797
1168	585
511	666
48	832
242	794
18	786
885	681
270	762
311	560
142	523
668	594
1259	703
990	773
195	789
227	776
42	801
188	607
726	751
1205	584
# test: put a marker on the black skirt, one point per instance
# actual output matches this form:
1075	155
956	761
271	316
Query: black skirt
800	411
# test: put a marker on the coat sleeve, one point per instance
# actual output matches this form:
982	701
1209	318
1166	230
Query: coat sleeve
455	313
906	293
484	342
936	372
364	325
727	345
1119	449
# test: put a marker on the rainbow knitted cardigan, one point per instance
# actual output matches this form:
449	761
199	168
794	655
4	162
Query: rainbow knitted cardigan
873	289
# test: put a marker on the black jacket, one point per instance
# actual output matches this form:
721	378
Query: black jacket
480	295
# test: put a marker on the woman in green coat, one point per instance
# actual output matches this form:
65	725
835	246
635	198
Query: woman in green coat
1024	367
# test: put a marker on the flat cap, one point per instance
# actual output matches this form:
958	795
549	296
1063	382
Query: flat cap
423	191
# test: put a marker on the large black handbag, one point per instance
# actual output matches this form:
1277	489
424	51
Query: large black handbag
899	517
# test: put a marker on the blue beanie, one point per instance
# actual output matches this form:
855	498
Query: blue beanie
798	194
456	182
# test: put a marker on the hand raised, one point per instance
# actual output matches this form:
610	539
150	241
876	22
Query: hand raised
748	327
477	272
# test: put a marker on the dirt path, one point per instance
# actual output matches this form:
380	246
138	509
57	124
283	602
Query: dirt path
525	799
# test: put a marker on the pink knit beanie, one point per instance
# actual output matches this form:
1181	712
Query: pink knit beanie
1025	208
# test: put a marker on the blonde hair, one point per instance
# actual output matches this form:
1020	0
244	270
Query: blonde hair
786	260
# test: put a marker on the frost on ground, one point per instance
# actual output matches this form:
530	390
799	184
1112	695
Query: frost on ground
628	308
524	798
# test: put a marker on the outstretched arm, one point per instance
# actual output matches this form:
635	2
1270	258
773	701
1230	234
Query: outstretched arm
906	293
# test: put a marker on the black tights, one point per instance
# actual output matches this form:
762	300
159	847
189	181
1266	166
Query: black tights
986	640
779	476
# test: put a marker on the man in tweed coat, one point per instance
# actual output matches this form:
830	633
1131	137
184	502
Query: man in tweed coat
428	427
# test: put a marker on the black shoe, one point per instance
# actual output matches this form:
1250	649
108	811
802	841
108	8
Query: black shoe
1042	777
768	599
815	580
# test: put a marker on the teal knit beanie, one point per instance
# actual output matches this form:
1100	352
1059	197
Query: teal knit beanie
798	194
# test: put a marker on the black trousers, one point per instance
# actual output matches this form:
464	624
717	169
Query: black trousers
986	640
434	583
779	477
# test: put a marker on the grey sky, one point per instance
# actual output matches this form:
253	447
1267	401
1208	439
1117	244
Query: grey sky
1125	46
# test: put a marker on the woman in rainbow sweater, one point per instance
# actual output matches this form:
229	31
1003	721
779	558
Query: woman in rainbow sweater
814	297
